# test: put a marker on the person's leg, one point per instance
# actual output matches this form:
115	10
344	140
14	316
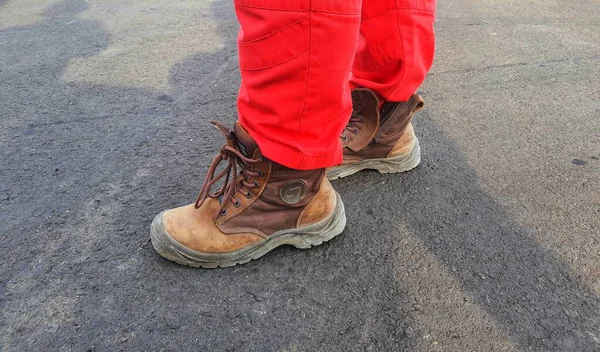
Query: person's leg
395	52
396	47
295	60
294	101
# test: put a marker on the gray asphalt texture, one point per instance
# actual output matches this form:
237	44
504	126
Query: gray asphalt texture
491	244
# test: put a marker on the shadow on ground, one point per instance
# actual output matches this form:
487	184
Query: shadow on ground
86	168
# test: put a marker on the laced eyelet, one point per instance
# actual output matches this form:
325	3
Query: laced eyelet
237	175
260	173
344	138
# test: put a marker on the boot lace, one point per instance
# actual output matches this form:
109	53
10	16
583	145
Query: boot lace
355	119
240	183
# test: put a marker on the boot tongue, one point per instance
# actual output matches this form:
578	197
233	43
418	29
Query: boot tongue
366	102
246	144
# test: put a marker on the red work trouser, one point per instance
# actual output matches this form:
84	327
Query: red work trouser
300	58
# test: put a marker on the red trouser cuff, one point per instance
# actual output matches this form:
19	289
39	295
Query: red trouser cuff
295	158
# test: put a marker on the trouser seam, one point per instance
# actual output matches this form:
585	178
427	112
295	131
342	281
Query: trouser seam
401	79
275	32
307	86
270	8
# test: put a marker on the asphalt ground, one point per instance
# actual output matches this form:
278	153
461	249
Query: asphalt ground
491	244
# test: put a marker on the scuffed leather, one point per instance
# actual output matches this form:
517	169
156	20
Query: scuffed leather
195	229
392	126
264	212
267	213
321	206
406	142
259	213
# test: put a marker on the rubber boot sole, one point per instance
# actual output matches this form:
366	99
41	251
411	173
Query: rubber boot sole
304	237
400	163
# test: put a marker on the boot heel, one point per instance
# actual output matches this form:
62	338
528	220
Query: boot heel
400	163
323	231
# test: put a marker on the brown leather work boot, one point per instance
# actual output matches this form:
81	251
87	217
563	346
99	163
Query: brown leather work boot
262	206
381	140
